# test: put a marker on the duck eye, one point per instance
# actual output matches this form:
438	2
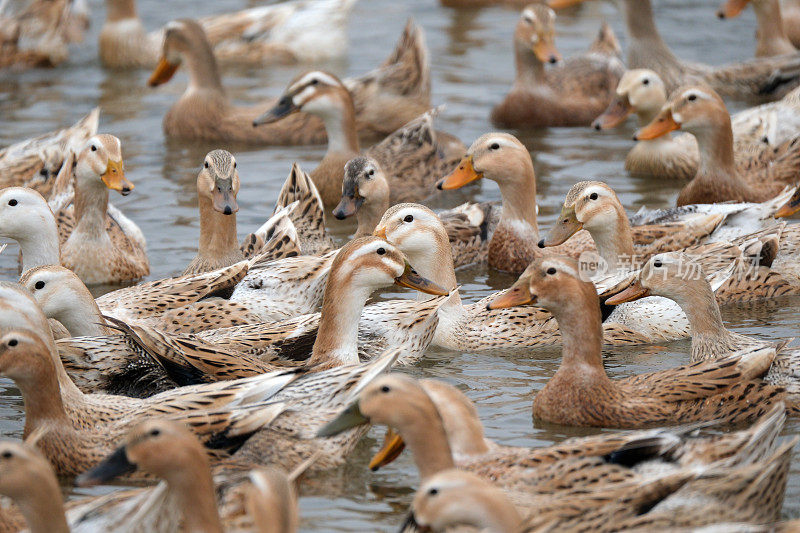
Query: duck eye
12	202
385	388
371	172
657	264
234	164
39	285
551	271
409	218
94	148
205	164
155	432
7	455
381	251
494	146
13	342
593	196
314	81
692	97
433	492
645	81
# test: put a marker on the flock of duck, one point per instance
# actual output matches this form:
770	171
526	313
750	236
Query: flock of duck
262	362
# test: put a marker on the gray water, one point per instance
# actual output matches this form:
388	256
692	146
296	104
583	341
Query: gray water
472	69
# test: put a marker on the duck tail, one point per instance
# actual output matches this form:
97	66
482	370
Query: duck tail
606	42
308	216
276	239
407	70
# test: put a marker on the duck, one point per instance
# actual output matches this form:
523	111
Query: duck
771	39
662	275
515	241
758	135
385	99
257	36
343	330
700	111
412	153
36	162
365	194
171	452
764	78
570	95
88	230
708	390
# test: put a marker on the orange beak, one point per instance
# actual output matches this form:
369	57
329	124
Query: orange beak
463	174
114	178
616	112
545	50
661	125
393	446
635	292
163	72
731	8
561	4
518	294
380	231
791	207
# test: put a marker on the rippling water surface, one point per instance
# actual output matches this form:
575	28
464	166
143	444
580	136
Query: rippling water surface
472	69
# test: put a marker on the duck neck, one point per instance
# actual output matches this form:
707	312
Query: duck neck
337	338
43	507
437	265
340	126
218	237
519	203
194	492
715	144
647	42
425	437
82	316
41	396
91	205
530	71
117	10
580	323
203	70
772	39
697	300
40	246
369	214
614	241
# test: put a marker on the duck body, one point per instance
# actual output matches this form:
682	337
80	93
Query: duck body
569	95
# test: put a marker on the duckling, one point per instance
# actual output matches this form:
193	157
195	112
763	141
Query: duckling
768	77
570	95
770	34
412	153
383	100
721	389
700	111
98	167
259	36
665	275
36	162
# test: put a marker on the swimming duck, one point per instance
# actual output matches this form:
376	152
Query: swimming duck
703	391
762	77
87	233
36	162
385	99
700	111
770	34
663	275
570	95
290	32
412	153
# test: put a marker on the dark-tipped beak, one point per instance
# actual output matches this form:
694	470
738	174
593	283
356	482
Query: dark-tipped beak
113	466
283	108
409	278
224	202
349	418
348	206
411	524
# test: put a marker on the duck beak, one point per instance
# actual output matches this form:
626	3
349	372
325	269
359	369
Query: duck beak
791	207
566	226
380	231
349	418
635	291
114	178
348	206
518	294
224	202
731	8
409	278
661	125
393	446
463	174
411	524
283	108
112	466
545	50
616	112
561	4
163	72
